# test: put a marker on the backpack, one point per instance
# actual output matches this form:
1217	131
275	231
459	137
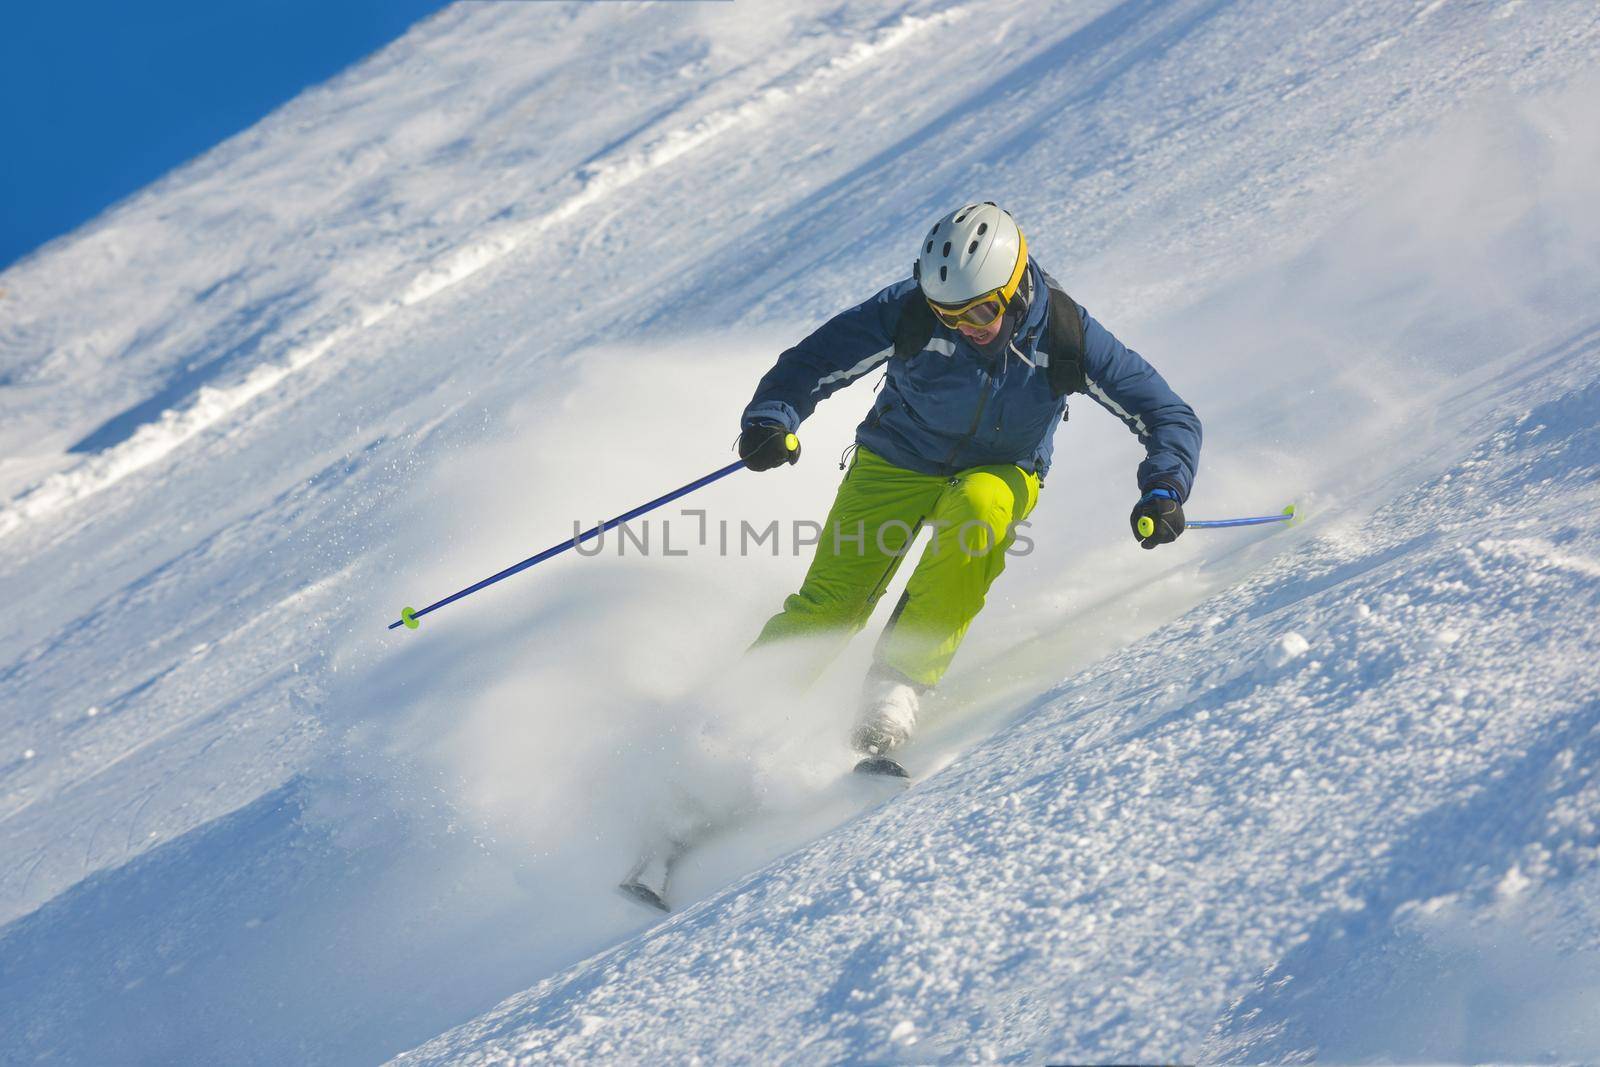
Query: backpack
1063	339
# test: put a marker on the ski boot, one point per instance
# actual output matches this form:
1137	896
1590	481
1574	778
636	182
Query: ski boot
888	715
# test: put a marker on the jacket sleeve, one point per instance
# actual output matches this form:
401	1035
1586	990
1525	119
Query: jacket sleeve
1122	382
835	354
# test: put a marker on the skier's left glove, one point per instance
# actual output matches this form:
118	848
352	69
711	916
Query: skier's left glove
1160	512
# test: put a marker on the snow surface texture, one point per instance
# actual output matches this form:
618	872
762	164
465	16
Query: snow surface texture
1320	792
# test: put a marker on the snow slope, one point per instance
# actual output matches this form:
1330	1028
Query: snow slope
1321	792
1242	839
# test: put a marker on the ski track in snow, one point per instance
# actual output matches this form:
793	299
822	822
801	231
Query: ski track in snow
373	347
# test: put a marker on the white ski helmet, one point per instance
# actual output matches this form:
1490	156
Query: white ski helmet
973	251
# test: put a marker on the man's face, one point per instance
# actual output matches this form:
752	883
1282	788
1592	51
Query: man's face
986	334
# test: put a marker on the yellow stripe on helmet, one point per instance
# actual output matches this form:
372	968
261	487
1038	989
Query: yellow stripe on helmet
1009	290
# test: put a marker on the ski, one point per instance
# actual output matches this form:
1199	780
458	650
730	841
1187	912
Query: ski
882	766
650	878
646	883
640	893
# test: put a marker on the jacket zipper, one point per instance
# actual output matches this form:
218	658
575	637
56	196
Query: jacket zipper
977	417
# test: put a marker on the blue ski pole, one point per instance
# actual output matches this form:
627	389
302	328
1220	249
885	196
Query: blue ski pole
1147	525
408	617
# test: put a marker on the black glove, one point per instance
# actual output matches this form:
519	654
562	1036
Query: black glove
764	445
1162	515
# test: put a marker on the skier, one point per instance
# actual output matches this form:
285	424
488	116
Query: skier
983	349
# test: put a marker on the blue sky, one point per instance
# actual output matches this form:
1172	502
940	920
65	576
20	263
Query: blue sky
101	98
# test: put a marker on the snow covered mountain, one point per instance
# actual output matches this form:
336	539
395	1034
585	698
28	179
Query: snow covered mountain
1325	792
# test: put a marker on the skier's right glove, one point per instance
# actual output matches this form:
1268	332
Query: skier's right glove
764	445
1161	514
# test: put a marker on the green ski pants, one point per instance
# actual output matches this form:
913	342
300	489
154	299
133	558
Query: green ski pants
874	519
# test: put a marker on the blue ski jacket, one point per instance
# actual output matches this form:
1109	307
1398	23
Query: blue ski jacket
949	407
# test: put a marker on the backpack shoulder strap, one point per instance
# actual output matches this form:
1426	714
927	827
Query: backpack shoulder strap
916	325
1064	342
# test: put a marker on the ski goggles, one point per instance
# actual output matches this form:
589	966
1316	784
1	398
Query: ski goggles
979	313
